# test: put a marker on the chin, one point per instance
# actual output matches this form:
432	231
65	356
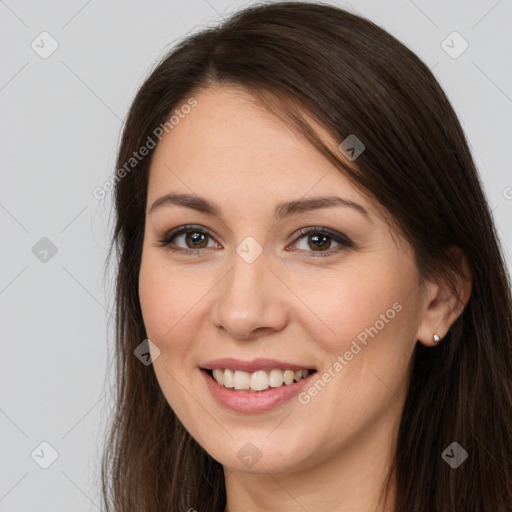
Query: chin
255	454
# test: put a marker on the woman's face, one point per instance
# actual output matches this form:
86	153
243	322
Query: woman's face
252	287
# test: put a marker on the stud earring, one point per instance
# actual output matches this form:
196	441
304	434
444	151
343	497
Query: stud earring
436	339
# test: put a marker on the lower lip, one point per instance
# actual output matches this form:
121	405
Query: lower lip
253	401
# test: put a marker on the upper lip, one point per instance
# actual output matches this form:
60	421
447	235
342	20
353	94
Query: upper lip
252	366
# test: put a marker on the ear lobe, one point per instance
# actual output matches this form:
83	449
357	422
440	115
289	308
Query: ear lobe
445	299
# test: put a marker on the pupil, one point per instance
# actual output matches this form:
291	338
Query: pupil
196	237
316	239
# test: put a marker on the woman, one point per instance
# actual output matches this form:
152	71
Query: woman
307	258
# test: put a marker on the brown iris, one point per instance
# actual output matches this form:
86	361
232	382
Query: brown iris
195	237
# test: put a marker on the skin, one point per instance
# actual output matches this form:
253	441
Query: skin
289	305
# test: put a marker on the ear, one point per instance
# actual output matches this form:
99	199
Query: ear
444	300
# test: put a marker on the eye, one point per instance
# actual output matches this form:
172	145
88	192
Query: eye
317	239
194	237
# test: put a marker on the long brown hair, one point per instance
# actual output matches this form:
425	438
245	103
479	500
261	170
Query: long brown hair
353	78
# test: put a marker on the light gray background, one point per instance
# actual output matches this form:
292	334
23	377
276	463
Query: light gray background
61	120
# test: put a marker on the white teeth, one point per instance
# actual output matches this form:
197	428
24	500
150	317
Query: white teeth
227	379
218	375
275	378
288	376
259	380
241	380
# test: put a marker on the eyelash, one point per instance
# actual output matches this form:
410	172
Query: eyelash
337	237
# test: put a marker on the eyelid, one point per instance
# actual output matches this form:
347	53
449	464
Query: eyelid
336	235
165	240
343	241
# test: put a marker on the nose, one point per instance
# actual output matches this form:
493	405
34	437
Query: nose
250	300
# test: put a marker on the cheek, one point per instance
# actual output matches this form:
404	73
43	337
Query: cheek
367	332
164	297
167	304
345	306
173	306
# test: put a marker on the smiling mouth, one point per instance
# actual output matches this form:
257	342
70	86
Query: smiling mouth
261	380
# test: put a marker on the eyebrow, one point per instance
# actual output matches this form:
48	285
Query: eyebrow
281	210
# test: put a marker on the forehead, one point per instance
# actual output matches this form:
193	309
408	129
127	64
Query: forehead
231	145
